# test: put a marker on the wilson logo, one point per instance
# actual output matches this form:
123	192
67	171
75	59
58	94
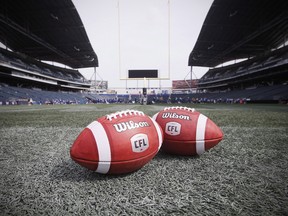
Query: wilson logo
121	127
175	116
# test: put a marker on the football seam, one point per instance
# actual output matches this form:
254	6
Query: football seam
193	140
118	161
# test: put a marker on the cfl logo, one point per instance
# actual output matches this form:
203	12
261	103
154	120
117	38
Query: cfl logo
139	143
173	128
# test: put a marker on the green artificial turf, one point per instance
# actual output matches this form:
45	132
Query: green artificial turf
245	174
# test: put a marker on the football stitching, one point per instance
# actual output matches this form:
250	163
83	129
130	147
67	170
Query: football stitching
180	108
120	114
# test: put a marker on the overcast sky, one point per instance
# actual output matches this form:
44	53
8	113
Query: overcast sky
142	34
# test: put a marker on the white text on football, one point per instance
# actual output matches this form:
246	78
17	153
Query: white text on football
121	127
173	128
175	116
140	143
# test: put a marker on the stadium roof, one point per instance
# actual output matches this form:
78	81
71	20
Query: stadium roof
49	30
240	29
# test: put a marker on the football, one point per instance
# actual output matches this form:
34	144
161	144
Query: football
186	131
118	143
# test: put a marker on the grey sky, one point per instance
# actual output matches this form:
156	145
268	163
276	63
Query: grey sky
134	34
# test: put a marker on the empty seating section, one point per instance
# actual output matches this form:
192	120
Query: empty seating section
277	93
11	94
274	59
23	62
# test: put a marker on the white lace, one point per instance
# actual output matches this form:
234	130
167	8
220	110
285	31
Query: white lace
123	113
181	108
